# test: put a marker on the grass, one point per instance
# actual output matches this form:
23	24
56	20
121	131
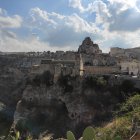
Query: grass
122	124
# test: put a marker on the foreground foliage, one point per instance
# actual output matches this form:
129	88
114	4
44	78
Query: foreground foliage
124	125
90	134
127	120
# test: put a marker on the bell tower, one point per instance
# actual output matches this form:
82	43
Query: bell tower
81	66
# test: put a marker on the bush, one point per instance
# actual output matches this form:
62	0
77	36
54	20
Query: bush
127	86
22	126
92	134
101	82
66	83
37	80
89	82
94	82
132	104
45	78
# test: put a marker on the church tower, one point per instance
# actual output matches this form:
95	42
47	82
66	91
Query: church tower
81	66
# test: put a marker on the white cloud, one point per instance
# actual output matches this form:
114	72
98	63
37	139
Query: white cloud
128	21
67	32
7	33
115	24
125	4
43	15
79	24
118	15
2	12
70	30
9	43
76	4
101	10
9	22
67	29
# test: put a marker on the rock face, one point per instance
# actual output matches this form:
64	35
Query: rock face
52	108
12	83
89	47
70	104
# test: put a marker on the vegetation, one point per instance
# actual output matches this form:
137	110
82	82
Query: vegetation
94	82
5	121
70	136
126	121
123	126
66	82
44	78
16	136
90	134
132	105
127	86
101	82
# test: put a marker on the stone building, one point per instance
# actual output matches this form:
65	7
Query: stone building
93	56
59	67
101	70
126	54
88	60
130	67
94	61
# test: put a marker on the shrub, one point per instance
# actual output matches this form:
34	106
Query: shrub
47	78
22	126
94	82
44	78
66	83
127	86
101	82
37	80
131	104
92	134
89	82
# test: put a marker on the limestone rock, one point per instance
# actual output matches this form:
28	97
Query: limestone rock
53	109
89	47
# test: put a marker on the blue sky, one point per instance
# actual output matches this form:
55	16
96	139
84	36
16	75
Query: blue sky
42	25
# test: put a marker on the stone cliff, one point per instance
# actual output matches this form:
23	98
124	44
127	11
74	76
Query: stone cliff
70	104
12	84
54	108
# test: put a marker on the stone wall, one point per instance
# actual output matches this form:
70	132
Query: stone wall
57	67
90	70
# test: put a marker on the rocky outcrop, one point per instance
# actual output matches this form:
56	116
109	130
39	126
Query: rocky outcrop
89	47
72	103
53	109
12	83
